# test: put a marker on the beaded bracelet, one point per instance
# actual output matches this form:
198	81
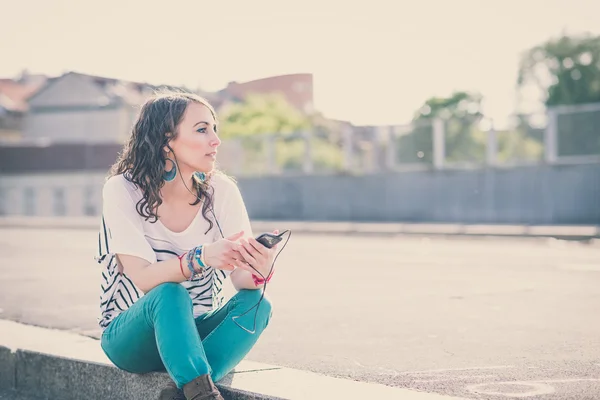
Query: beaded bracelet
190	257
199	256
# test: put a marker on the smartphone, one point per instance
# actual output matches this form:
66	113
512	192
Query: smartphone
269	240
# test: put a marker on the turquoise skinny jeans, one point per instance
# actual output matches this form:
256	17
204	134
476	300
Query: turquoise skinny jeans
159	333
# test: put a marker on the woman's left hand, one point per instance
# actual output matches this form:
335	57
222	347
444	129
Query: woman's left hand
258	256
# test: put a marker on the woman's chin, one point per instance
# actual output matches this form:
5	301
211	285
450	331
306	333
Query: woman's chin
205	167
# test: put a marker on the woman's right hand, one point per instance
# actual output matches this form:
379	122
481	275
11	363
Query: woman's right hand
224	254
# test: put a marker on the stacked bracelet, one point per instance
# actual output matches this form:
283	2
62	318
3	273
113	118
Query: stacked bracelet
194	263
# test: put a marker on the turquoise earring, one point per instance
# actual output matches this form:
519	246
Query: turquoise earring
199	177
170	175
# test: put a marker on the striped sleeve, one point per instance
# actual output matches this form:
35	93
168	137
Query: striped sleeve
123	232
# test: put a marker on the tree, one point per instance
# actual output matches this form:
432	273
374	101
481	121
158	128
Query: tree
261	114
566	68
262	118
459	113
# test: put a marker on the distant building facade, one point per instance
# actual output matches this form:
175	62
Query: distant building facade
62	179
297	89
68	131
14	94
83	108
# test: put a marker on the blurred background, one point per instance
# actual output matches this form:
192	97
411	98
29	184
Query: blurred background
428	115
466	111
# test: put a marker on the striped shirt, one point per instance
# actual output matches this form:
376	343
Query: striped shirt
124	231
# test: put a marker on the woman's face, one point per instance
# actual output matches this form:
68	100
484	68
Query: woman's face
196	142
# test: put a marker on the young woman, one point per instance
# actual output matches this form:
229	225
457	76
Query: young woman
173	229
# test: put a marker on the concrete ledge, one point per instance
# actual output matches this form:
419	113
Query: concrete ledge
41	363
579	232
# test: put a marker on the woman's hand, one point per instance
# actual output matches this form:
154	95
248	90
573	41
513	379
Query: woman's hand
225	253
258	256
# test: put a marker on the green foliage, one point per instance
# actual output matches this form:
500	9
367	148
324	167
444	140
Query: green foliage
460	114
259	116
567	68
465	141
326	155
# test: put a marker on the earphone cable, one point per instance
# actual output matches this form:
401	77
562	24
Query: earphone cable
257	305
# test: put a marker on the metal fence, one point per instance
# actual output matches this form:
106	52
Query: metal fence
562	135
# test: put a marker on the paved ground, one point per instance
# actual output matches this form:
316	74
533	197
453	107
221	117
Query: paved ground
455	316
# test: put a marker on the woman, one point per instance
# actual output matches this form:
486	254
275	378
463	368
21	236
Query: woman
173	229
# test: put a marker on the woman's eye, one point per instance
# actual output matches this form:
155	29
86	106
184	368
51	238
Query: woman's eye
201	130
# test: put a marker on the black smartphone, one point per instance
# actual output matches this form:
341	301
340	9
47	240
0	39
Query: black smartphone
269	240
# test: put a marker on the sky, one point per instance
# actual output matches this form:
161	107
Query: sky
374	62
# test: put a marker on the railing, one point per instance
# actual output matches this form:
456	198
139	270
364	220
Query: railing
563	135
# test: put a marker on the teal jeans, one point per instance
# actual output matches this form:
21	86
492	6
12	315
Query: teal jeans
159	333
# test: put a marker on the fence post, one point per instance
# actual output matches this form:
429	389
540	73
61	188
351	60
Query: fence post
348	148
439	143
390	150
270	147
551	137
492	145
307	165
240	154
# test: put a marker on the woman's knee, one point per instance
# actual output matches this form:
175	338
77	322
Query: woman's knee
249	297
170	292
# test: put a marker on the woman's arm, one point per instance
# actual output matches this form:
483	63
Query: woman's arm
146	276
242	279
222	254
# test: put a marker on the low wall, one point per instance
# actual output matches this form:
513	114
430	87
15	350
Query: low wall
525	195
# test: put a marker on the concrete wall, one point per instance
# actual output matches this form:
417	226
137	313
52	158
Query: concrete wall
52	194
528	195
531	195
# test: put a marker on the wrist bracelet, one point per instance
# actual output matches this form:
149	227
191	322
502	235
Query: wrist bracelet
198	256
190	264
194	271
202	258
260	281
181	265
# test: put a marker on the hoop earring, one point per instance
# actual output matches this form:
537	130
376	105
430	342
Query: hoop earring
171	174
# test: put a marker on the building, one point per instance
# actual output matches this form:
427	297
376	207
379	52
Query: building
77	107
80	107
62	179
73	128
297	89
14	94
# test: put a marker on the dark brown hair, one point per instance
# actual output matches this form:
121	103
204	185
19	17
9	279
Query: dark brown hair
142	160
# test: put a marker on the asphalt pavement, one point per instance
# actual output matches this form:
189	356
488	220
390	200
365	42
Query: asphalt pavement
490	318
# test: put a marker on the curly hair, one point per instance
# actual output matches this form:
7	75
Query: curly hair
142	160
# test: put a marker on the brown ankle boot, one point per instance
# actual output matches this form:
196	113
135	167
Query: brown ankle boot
171	392
202	388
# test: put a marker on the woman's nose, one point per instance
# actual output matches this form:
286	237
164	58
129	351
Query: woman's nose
215	142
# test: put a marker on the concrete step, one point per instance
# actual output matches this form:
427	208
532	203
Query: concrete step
61	365
8	394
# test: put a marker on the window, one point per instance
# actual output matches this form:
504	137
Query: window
59	202
29	201
89	204
3	201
